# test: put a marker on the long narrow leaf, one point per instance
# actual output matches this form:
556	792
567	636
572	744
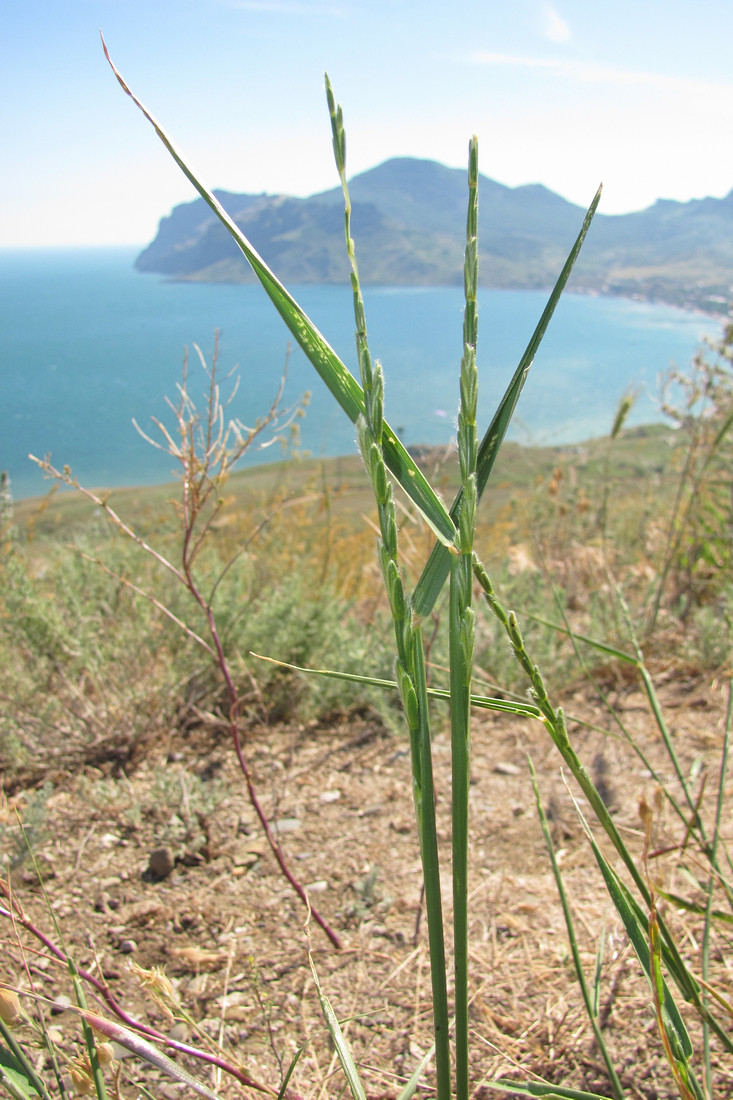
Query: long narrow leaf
321	355
150	1053
342	1047
18	1068
291	1068
14	1080
590	1003
435	572
602	647
410	1088
483	702
636	924
537	1088
637	660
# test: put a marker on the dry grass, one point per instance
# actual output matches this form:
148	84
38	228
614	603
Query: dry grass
229	934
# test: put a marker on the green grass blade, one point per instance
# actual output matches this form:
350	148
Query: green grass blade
691	907
17	1067
636	924
89	1039
434	575
601	647
15	1082
342	1047
613	711
494	437
291	1068
319	352
590	1002
597	973
460	671
460	780
637	660
555	722
410	1088
482	702
709	910
538	1088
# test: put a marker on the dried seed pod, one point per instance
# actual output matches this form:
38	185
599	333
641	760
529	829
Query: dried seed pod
105	1053
81	1079
10	1011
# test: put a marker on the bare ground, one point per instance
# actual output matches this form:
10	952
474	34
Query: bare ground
228	930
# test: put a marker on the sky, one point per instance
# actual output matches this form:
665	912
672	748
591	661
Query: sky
568	93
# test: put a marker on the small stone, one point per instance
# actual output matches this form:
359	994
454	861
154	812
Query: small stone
504	768
62	1002
247	855
110	880
236	997
128	947
161	863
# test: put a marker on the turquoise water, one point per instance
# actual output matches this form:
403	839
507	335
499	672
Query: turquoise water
86	344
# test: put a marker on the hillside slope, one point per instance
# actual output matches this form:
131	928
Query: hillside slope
408	220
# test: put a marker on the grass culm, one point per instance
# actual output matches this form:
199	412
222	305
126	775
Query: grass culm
674	924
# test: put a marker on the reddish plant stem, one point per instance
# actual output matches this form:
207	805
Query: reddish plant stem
102	989
233	696
191	510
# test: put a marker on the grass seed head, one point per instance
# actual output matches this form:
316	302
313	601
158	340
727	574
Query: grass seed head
155	979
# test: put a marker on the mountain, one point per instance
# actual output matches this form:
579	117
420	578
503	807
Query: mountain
408	220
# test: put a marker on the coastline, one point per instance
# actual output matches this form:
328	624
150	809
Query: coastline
100	346
704	300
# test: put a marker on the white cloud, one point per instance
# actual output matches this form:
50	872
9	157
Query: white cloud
570	122
554	26
588	73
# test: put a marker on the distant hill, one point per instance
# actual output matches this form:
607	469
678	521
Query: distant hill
408	220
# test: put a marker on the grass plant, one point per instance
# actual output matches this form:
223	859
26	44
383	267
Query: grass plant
453	554
681	991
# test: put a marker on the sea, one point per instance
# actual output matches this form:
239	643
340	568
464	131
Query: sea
87	345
